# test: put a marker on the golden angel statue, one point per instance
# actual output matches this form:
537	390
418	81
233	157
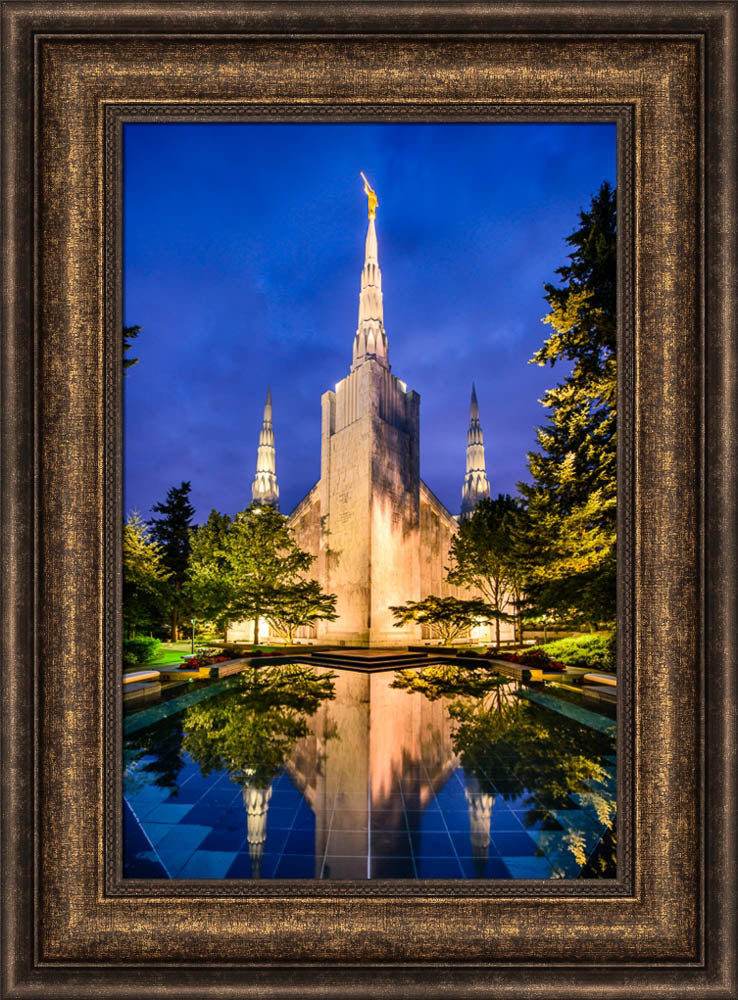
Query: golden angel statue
369	192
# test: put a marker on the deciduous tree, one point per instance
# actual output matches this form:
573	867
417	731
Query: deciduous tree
207	588
252	728
298	604
482	557
447	617
250	569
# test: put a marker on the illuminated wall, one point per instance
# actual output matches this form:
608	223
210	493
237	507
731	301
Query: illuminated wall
368	545
379	535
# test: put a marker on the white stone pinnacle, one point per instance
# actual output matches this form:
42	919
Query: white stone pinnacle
264	489
370	341
476	484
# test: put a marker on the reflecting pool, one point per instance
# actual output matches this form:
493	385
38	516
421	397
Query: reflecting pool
300	771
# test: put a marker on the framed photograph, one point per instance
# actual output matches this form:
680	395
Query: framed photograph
340	678
335	663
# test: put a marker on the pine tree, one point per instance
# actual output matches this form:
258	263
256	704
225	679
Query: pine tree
129	334
568	557
172	532
145	577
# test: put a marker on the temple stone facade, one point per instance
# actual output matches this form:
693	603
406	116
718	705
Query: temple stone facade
379	535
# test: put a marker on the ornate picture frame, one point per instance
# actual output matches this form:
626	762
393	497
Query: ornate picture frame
72	74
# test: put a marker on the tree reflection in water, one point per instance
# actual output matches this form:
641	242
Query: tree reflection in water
163	758
546	766
250	730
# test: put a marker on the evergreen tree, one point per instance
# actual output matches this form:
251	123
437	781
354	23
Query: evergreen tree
129	333
568	555
172	532
145	578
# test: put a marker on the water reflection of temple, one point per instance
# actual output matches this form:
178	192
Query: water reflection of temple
480	804
433	773
374	756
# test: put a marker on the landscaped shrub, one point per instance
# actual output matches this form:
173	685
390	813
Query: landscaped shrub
595	652
234	650
139	650
611	653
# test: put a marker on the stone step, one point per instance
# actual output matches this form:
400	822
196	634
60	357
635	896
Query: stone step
134	676
141	690
600	692
596	678
518	671
371	662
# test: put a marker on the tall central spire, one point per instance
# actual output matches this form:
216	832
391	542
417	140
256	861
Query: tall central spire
264	489
370	342
476	484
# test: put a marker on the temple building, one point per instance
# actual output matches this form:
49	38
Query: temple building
379	535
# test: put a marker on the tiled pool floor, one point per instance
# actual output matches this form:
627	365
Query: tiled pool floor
202	833
434	818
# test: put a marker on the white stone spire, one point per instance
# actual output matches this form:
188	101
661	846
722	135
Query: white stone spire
264	489
370	342
256	801
480	804
476	484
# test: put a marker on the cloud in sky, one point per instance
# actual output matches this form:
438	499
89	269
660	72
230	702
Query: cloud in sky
243	248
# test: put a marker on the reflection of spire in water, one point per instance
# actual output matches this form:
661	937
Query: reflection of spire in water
480	817
256	801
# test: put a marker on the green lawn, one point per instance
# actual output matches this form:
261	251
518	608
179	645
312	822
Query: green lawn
175	652
170	653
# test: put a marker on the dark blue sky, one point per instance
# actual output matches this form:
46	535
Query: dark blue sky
242	258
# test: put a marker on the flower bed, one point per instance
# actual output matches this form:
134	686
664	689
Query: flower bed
530	658
205	658
211	657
